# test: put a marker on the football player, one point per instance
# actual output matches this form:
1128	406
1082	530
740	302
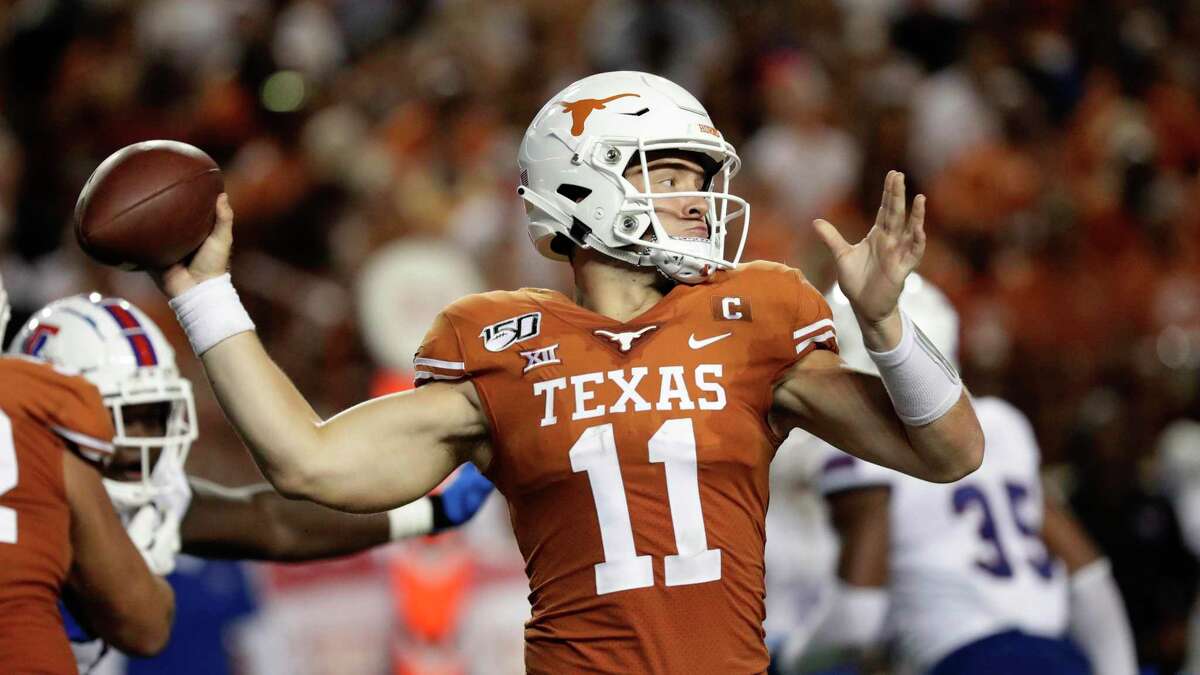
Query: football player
630	428
985	575
123	353
59	534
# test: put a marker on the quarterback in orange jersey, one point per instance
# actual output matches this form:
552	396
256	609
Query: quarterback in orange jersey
59	534
630	428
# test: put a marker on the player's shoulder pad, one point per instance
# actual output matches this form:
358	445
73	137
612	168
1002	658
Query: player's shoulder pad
770	280
484	322
484	308
40	383
998	413
60	399
1005	427
797	318
468	333
761	271
30	366
1000	409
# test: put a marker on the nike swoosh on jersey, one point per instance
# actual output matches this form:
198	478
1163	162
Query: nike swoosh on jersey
700	344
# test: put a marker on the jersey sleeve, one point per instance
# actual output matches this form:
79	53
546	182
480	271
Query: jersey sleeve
838	471
811	321
440	356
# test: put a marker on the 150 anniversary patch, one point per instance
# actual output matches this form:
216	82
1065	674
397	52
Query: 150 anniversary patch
504	334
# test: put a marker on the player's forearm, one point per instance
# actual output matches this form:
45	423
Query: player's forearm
951	446
158	617
263	525
927	395
137	622
851	410
275	422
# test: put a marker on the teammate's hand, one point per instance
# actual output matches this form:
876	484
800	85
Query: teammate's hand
210	260
871	273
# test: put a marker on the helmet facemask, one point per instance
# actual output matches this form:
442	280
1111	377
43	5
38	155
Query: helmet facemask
685	259
148	393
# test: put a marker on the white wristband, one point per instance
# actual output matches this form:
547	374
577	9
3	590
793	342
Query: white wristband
211	312
411	520
922	384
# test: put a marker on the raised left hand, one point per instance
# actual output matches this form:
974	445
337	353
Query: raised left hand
871	273
210	260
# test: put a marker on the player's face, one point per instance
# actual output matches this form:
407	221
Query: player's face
147	419
680	216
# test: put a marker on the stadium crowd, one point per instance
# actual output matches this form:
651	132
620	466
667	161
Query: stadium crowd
1058	143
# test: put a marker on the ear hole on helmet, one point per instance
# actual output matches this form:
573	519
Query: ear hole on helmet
575	193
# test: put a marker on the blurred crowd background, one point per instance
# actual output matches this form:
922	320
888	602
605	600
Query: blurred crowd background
1058	142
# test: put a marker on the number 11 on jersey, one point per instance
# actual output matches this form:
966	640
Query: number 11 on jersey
673	446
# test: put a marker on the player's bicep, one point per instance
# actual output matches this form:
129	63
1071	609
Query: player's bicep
847	408
411	441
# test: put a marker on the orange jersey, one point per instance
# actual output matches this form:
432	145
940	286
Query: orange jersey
634	458
39	407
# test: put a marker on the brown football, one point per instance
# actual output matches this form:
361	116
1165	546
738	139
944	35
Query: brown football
149	205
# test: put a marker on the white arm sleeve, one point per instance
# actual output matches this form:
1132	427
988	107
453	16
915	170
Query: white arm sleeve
1099	624
1187	510
853	622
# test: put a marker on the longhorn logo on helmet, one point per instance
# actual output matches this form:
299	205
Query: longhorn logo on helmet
581	109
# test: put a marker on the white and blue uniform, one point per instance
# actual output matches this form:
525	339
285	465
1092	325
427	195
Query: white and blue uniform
967	561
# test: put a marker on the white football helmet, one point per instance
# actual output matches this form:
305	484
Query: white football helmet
574	156
124	354
924	303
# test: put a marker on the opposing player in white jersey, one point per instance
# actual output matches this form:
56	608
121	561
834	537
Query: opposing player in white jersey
967	577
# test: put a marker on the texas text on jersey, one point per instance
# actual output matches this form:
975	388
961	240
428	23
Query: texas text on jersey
634	458
43	411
